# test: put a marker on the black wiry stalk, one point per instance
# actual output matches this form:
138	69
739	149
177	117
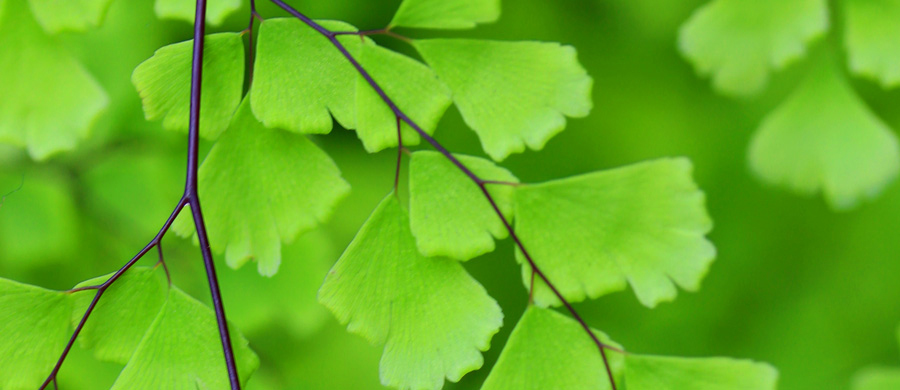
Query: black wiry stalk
482	184
191	198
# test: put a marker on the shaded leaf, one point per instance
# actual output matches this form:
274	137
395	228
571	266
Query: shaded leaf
824	138
449	215
262	187
164	83
877	379
872	38
384	290
445	14
77	15
216	10
645	372
512	94
738	43
643	224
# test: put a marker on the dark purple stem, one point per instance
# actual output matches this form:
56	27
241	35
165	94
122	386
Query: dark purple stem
482	184
191	198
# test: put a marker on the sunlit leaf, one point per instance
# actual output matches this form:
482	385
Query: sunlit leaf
642	224
182	351
34	325
548	350
738	43
164	83
123	314
261	187
872	38
432	317
445	14
300	79
410	84
645	372
216	10
78	15
512	94
50	101
824	138
877	379
449	214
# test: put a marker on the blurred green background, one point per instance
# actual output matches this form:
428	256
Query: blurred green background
813	292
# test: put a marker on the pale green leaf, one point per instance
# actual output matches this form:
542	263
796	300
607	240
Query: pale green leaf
164	83
123	315
512	94
34	325
645	372
182	351
449	214
548	350
824	138
412	86
216	10
39	223
877	379
643	224
384	290
50	101
872	38
261	187
300	79
446	14
77	15
738	43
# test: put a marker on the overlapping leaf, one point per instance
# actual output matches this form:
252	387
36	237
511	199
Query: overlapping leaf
49	100
445	14
646	372
79	15
384	290
216	10
34	325
412	86
182	351
642	224
512	94
548	350
164	83
738	43
824	138
260	187
300	80
871	37
449	215
123	315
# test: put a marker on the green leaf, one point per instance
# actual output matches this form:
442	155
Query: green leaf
739	42
39	223
216	10
548	350
123	315
645	372
449	215
34	323
824	138
871	39
410	84
77	15
300	77
49	100
877	379
385	291
164	83
445	14
260	187
511	93
590	234
182	351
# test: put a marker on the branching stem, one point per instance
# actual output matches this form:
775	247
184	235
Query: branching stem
190	197
482	184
